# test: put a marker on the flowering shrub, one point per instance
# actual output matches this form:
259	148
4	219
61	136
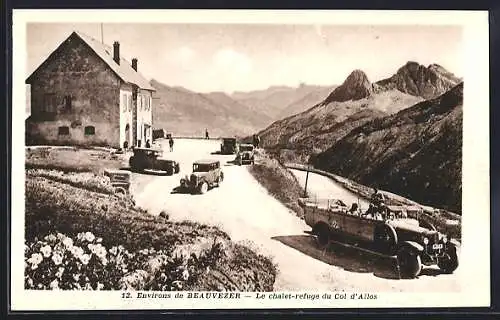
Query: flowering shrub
59	262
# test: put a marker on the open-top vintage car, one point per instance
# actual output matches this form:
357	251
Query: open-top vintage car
152	159
229	146
206	174
246	154
401	232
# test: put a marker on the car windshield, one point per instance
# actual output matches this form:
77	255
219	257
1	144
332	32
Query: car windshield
229	141
201	167
246	148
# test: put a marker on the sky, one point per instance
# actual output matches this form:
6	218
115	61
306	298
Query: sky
245	57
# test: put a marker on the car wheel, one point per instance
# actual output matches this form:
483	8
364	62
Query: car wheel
386	239
177	168
449	262
203	188
322	234
409	262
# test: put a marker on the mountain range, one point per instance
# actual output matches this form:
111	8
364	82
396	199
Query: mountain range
188	113
416	152
353	103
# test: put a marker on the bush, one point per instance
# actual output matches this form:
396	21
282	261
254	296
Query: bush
83	263
279	182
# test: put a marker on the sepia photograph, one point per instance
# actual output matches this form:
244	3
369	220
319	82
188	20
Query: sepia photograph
222	160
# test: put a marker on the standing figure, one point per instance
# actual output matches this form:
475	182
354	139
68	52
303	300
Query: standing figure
206	134
148	145
171	144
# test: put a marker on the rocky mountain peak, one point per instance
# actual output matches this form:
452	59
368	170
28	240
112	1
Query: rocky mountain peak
355	87
419	80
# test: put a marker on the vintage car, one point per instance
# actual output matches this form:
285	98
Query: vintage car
119	180
246	154
151	159
206	174
402	232
229	146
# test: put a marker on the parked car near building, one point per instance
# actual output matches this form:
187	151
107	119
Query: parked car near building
229	146
206	174
246	154
152	159
403	233
119	180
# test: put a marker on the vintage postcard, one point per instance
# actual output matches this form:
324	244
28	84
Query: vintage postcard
178	159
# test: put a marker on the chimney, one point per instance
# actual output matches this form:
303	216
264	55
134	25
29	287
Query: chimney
134	64
116	52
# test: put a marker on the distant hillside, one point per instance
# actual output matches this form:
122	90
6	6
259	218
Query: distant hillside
184	112
276	100
312	98
416	152
352	104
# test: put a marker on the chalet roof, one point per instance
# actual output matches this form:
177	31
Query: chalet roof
123	70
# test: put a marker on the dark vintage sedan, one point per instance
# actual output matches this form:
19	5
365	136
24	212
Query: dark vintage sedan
229	146
152	159
403	233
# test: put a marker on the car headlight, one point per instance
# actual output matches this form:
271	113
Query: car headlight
426	241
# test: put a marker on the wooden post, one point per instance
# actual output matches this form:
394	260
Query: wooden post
307	178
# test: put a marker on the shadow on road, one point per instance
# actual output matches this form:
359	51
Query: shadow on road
231	163
349	259
148	172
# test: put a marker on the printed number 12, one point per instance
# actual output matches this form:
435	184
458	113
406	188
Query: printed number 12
126	295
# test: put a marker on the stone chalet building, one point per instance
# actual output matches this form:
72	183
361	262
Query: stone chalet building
85	94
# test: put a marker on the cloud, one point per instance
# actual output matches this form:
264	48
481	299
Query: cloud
184	55
237	62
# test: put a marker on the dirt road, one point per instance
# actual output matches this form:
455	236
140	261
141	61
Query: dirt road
244	209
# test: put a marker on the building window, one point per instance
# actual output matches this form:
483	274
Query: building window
129	103
139	102
68	102
89	130
49	103
63	131
124	102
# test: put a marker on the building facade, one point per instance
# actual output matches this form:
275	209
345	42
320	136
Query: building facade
85	94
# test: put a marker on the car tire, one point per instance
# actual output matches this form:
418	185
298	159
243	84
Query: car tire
449	262
322	235
177	168
203	187
409	263
386	239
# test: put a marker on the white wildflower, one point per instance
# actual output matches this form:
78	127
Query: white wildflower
35	259
185	275
46	251
57	258
100	286
85	258
68	243
89	236
54	285
113	250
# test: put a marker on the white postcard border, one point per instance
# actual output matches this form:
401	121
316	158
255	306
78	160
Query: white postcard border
475	258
